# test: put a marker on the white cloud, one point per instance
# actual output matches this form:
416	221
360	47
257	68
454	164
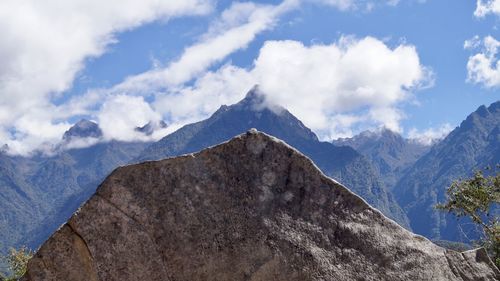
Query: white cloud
236	28
121	114
388	117
188	104
472	43
364	5
340	4
233	31
485	7
342	124
354	74
431	135
392	2
329	87
79	143
484	66
35	129
45	43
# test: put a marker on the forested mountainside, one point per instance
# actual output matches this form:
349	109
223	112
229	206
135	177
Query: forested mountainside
474	145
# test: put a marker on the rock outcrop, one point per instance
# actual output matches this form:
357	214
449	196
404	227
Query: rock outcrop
341	163
249	209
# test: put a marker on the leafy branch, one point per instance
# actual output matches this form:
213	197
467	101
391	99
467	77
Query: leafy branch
475	198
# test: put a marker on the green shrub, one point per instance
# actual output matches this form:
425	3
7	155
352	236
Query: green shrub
17	262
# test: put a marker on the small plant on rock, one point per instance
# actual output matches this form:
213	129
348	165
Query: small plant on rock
17	262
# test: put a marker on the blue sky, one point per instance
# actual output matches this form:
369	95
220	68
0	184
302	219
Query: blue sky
399	64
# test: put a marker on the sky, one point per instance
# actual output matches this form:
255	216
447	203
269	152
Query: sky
417	67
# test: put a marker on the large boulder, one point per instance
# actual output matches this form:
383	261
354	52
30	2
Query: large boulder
250	209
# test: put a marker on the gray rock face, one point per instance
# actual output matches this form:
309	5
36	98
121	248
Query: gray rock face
250	209
341	163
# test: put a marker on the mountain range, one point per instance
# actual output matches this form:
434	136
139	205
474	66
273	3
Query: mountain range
474	145
418	175
390	153
40	192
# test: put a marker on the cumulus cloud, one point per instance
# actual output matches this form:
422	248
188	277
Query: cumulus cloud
329	87
121	114
342	77
484	66
45	43
485	7
431	135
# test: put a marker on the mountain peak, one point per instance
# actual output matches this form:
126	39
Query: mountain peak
382	134
481	117
149	128
83	129
494	107
388	132
4	149
483	111
254	100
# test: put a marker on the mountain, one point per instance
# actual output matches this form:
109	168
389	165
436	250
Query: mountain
151	127
83	129
388	151
250	209
69	178
475	144
40	193
342	163
19	202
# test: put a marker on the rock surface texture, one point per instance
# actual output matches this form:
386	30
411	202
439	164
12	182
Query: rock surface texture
249	209
344	163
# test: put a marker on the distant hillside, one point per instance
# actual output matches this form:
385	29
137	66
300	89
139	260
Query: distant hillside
21	204
473	145
389	152
342	163
41	192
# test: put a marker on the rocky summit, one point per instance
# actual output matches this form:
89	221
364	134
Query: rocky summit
250	209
